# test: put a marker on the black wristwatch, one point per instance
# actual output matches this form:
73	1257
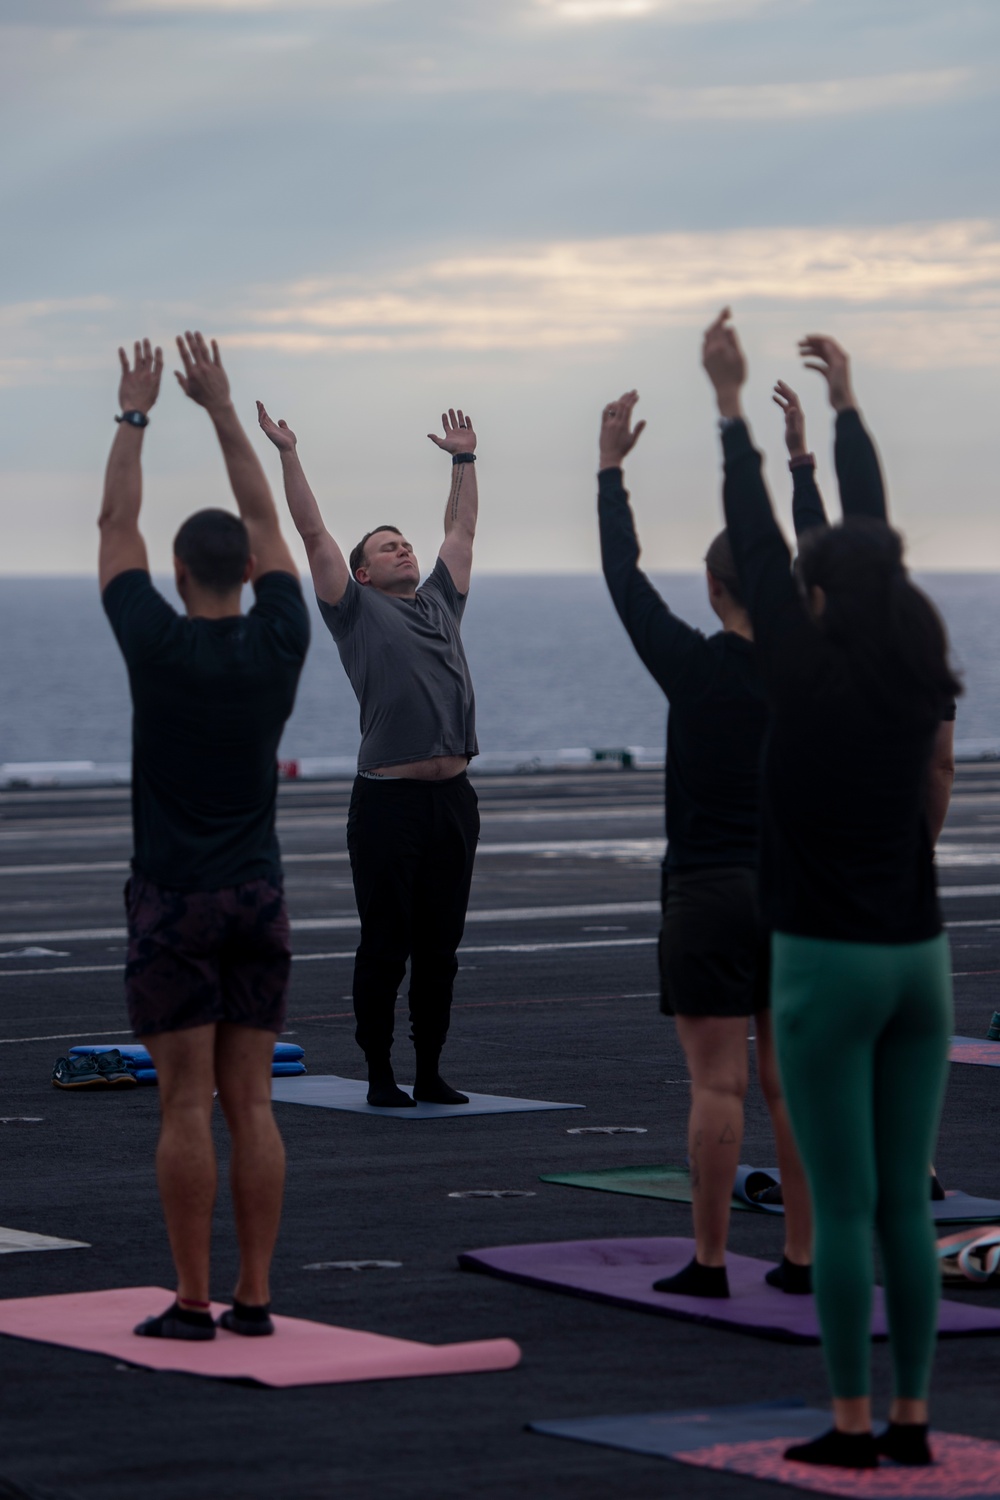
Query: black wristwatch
134	418
463	458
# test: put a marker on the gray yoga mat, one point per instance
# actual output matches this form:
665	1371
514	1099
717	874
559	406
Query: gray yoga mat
327	1091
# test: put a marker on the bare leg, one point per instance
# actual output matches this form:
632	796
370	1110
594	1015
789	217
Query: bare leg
716	1052
794	1186
243	1056
185	1156
854	1413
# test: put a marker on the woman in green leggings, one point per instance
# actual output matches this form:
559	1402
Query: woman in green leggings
854	661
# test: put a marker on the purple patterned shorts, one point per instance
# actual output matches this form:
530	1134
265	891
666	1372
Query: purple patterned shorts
199	957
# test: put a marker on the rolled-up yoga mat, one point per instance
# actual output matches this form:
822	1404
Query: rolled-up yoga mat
287	1058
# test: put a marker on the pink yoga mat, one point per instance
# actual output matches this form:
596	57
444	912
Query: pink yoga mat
299	1353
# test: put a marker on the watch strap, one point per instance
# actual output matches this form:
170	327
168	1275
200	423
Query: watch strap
134	418
463	458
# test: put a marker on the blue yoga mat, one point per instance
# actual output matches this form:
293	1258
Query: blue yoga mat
955	1207
283	1052
751	1440
287	1059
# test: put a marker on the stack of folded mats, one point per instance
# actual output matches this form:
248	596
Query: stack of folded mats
287	1059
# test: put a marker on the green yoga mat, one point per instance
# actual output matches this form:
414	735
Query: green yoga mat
670	1183
673	1184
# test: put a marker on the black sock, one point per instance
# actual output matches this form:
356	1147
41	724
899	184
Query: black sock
178	1323
247	1319
905	1443
791	1277
430	1088
841	1450
383	1091
696	1280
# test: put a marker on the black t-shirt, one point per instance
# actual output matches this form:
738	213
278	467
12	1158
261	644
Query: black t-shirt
210	699
845	845
717	717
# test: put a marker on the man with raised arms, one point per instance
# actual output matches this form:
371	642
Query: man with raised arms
413	822
208	958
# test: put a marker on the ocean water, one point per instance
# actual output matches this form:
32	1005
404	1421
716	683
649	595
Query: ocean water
552	666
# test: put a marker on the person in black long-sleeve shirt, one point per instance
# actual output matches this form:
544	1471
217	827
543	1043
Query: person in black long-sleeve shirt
712	953
862	493
853	660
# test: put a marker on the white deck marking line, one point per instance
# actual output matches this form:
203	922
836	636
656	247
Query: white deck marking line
594	847
341	924
65	1036
500	914
305	958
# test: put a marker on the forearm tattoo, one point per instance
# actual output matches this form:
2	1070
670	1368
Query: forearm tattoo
457	475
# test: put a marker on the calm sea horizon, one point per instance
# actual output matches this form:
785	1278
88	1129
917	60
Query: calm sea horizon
552	666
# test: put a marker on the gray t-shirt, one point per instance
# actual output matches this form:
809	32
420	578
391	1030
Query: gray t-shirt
407	666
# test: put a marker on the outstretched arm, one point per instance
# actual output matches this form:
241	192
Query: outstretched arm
762	557
862	492
122	547
807	502
206	383
462	510
327	564
663	642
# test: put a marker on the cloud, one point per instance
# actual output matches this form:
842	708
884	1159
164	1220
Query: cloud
593	11
591	292
227	7
811	97
915	295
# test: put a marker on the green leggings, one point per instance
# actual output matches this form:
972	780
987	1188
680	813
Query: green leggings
862	1033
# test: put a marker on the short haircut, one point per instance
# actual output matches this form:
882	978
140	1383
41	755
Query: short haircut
721	563
214	545
357	559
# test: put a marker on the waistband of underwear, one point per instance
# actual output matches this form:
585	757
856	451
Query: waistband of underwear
411	781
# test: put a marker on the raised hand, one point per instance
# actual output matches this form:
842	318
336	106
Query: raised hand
279	432
459	436
724	363
617	435
824	354
795	421
204	379
140	382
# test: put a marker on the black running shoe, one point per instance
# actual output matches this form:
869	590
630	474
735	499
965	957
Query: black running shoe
78	1073
115	1070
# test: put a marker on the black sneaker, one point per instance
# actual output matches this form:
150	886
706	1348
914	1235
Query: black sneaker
178	1323
78	1073
115	1070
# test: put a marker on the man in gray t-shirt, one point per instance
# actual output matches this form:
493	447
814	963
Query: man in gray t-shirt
413	822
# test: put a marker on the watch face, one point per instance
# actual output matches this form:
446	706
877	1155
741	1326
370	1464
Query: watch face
136	418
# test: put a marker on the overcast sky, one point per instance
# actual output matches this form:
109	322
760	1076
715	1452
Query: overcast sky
523	207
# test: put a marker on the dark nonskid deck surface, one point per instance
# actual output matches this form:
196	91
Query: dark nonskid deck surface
556	1000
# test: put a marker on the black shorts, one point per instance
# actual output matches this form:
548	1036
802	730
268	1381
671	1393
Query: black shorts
714	958
199	957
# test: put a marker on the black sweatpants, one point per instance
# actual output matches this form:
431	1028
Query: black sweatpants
412	845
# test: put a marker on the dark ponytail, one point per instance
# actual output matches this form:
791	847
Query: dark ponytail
893	638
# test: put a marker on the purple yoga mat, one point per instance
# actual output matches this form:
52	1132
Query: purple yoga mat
623	1272
972	1049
